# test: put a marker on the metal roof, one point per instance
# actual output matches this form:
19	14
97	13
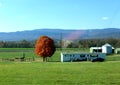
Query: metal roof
107	45
96	47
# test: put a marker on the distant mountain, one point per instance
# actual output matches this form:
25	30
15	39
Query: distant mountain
58	33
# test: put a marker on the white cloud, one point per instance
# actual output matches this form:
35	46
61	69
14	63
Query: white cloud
105	18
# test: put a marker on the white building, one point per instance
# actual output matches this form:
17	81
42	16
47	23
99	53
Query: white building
117	50
71	57
107	49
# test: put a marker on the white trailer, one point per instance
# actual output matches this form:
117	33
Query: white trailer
72	57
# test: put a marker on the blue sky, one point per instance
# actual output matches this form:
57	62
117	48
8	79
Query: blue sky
18	15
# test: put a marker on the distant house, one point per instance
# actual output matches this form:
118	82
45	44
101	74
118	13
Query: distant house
107	49
117	50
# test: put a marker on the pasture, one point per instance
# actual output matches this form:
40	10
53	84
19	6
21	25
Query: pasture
57	73
29	53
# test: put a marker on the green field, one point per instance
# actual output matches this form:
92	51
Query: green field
29	53
12	53
56	73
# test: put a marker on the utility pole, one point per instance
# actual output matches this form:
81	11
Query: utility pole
61	41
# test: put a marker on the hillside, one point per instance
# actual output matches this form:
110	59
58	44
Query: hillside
58	33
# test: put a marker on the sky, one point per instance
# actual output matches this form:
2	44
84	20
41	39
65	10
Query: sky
20	15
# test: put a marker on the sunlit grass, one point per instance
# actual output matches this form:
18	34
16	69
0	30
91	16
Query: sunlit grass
56	73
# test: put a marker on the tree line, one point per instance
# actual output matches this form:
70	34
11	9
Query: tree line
87	43
83	43
17	44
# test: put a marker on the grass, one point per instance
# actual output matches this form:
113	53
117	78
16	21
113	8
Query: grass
56	73
113	57
29	53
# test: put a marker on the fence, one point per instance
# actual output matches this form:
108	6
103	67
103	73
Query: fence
17	59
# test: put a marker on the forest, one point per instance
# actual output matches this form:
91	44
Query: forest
82	43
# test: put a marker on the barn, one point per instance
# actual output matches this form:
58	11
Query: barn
107	49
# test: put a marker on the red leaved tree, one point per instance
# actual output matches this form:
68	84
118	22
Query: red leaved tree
45	47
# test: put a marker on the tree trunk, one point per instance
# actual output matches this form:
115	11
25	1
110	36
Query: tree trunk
44	59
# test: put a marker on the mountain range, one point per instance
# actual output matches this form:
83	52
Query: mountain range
60	34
